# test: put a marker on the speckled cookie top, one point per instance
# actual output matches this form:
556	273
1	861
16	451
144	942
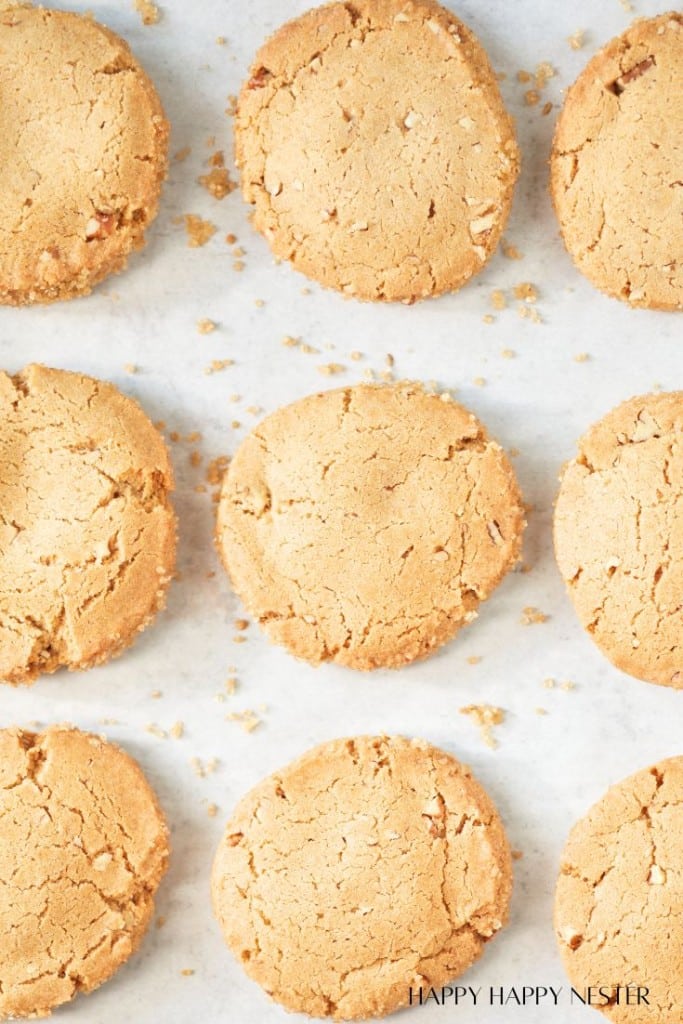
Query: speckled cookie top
619	895
87	532
619	536
616	166
365	525
83	147
373	141
83	847
364	867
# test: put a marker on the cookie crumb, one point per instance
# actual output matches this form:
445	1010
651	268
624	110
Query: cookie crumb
511	252
155	730
199	231
508	353
187	972
532	616
182	154
148	11
217	365
247	719
177	730
498	300
217	181
526	292
548	683
206	326
130	368
582	357
212	810
577	39
485	716
541	711
479	382
331	369
474	659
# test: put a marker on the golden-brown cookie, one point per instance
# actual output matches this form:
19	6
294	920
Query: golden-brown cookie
83	847
616	166
363	868
619	536
365	525
87	531
619	897
373	142
83	143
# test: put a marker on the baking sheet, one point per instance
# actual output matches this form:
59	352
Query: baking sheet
547	769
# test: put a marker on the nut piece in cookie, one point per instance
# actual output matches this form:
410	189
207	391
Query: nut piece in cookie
365	525
619	536
616	166
618	898
364	868
83	153
87	531
83	847
373	143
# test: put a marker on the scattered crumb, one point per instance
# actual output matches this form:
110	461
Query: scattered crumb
544	72
187	972
177	730
549	683
240	639
389	359
289	342
148	11
161	921
130	368
568	686
238	266
577	39
220	40
241	624
526	292
479	382
230	685
182	154
215	470
541	711
546	108
474	659
498	300
356	356
212	810
156	694
488	319
231	239
517	854
508	353
154	730
248	719
523	76
216	365
485	716
531	97
199	231
206	326
511	252
195	459
529	313
330	369
581	357
202	770
627	6
218	181
533	616
259	303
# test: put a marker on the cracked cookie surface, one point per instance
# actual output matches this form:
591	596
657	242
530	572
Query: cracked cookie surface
83	145
83	847
366	866
87	531
374	144
619	536
619	896
364	525
616	166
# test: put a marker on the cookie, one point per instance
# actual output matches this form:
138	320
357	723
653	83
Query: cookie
83	847
83	148
365	525
619	897
365	867
619	536
87	531
616	166
373	142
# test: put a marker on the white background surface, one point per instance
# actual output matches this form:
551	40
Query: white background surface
546	770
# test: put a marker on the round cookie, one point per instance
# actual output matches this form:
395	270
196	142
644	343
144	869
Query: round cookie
365	867
87	532
83	847
365	525
373	142
616	166
83	152
619	536
619	896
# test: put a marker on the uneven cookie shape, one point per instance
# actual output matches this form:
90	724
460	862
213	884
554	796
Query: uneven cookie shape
373	142
83	847
87	532
365	867
619	895
619	536
616	166
83	147
364	525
